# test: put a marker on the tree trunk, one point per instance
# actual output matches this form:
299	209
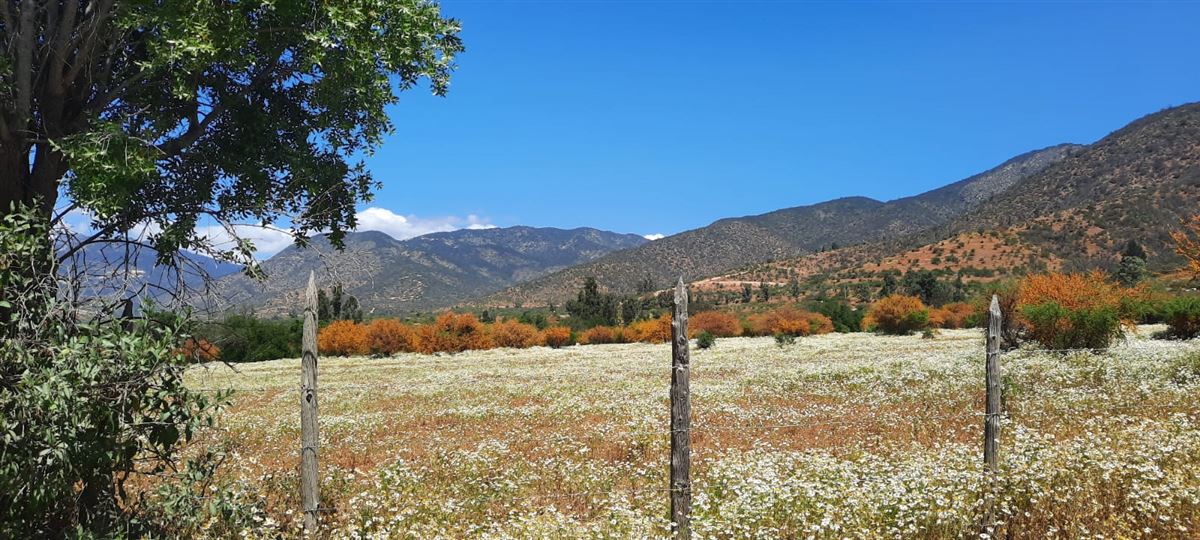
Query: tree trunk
20	183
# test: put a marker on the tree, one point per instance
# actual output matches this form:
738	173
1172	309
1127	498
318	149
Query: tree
764	292
1187	243
591	307
794	288
1131	271
159	115
747	293
889	286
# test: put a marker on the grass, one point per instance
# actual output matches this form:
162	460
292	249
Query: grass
837	436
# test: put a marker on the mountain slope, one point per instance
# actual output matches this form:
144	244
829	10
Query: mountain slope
422	273
1138	183
735	242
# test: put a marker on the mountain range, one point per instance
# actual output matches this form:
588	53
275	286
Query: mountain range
418	274
1064	207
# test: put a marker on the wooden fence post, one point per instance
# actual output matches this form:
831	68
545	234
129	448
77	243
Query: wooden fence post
991	425
309	441
681	418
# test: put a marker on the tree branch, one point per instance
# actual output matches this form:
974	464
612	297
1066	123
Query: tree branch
24	67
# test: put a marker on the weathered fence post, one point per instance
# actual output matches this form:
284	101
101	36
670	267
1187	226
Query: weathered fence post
308	411
681	418
991	423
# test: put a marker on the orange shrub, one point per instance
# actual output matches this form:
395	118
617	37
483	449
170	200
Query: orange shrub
652	330
518	335
602	334
951	315
200	350
342	338
789	321
1071	291
897	314
557	336
389	336
716	323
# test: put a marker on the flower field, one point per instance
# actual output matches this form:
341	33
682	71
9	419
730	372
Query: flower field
837	436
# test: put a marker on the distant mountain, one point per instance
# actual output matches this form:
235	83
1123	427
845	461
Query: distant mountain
735	242
419	274
1138	183
108	269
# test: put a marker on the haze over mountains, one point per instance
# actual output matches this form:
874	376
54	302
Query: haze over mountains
1063	207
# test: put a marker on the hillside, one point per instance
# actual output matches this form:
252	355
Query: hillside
1137	183
422	273
732	243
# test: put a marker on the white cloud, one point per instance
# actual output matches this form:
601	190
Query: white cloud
404	227
270	240
655	236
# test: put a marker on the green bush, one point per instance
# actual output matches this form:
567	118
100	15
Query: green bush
783	340
1182	316
84	406
705	339
1184	370
244	338
1056	327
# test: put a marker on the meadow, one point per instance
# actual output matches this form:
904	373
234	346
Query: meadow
836	436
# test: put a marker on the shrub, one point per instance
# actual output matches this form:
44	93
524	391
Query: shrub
599	335
955	315
1062	311
199	350
517	335
1182	316
1184	369
389	336
343	338
557	336
84	405
452	332
652	330
705	339
789	321
244	338
782	340
716	323
897	314
1056	327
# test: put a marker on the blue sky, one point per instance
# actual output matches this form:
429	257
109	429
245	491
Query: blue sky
605	114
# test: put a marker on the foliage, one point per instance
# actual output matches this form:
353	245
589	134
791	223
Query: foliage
924	284
844	317
599	335
1132	271
513	334
337	306
783	340
705	339
244	338
1187	243
1057	327
165	114
651	330
452	332
557	336
343	338
85	405
953	315
897	314
1182	316
591	307
386	337
789	321
715	322
199	350
1073	310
